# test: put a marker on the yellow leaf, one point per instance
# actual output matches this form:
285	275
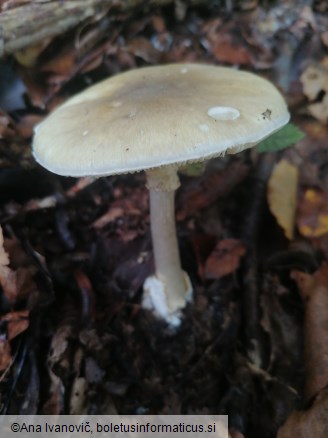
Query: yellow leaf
312	218
29	55
282	192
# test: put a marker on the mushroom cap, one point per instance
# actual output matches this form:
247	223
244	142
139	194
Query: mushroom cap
156	116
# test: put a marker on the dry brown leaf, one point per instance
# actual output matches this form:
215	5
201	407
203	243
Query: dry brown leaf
26	287
27	123
81	184
158	23
282	193
132	206
17	322
20	274
314	291
127	235
5	354
6	125
226	44
226	49
312	216
308	424
225	258
142	48
62	65
87	295
203	245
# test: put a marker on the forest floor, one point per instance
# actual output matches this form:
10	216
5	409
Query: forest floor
253	235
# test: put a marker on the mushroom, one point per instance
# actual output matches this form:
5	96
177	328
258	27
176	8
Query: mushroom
158	119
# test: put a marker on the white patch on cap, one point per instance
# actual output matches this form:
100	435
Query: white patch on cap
184	70
223	113
85	133
203	127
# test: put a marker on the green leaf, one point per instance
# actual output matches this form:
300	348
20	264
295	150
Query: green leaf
281	139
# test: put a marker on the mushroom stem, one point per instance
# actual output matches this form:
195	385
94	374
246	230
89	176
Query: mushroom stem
162	184
165	247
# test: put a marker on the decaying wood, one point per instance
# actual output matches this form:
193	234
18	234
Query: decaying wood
23	24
